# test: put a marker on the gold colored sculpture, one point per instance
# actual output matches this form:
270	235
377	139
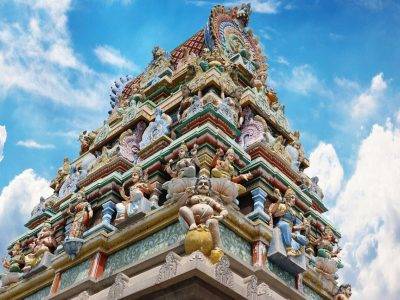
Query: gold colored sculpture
17	259
86	138
61	176
279	148
223	168
201	214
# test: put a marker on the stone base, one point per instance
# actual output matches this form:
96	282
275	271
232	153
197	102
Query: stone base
42	265
10	278
134	214
277	254
72	246
258	215
99	227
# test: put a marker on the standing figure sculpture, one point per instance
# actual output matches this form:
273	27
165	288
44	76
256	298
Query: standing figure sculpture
201	215
223	168
139	189
81	212
186	165
288	223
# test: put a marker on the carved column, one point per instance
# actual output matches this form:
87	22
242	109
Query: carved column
259	198
108	212
56	284
105	225
299	282
98	264
259	254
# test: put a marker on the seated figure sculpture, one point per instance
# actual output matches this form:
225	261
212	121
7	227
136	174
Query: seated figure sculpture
223	168
201	214
17	259
139	189
186	165
288	223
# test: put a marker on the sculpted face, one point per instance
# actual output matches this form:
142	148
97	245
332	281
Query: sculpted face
348	292
203	186
135	176
230	156
79	197
182	153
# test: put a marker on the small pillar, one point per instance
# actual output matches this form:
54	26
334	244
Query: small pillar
299	283
56	284
259	254
98	265
259	198
107	215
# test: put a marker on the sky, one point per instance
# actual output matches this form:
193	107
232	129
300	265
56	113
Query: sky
334	65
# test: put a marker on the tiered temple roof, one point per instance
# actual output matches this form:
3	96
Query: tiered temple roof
193	186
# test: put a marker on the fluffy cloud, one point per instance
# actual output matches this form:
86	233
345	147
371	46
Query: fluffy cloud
34	145
110	56
368	215
304	81
36	56
3	137
17	200
366	103
325	164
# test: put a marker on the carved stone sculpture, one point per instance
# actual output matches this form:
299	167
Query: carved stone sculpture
288	223
201	214
156	129
254	130
185	167
81	212
136	200
86	138
279	148
61	176
118	287
17	259
223	168
343	293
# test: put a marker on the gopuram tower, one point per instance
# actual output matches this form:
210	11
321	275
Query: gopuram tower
192	188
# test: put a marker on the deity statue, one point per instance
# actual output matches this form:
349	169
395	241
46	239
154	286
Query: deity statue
283	215
44	242
185	102
279	148
156	129
201	215
315	188
343	293
242	13
82	212
17	259
61	176
139	189
185	167
128	143
42	205
86	138
223	168
103	159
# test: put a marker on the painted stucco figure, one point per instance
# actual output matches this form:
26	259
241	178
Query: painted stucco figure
139	190
81	212
17	259
185	167
223	168
289	224
201	214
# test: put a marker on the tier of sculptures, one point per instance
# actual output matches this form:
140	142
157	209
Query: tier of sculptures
203	194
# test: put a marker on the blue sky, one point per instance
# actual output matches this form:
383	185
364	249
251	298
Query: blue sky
334	65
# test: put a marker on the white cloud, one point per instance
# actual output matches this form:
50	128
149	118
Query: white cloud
347	84
282	60
325	164
3	137
34	145
366	103
257	6
367	213
304	81
17	200
110	56
36	57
